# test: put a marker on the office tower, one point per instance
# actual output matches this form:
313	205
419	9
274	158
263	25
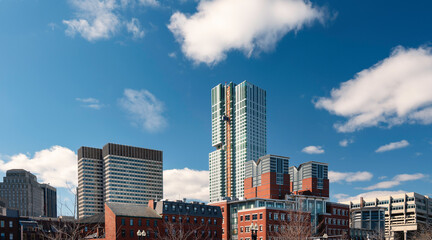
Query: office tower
239	134
118	174
49	200
267	178
310	178
90	181
21	191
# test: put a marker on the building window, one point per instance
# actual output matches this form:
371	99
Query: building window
261	215
173	219
140	222
155	223
247	217
270	216
195	220
166	218
131	233
202	220
11	236
10	224
254	216
241	218
131	222
123	233
147	223
215	222
2	223
123	222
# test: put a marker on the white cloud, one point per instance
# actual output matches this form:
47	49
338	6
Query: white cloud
220	26
152	3
394	91
393	146
313	150
90	103
172	55
102	19
345	142
56	166
134	27
95	19
144	108
341	197
396	181
186	183
349	176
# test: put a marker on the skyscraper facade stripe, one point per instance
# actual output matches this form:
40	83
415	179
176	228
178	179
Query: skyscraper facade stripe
239	134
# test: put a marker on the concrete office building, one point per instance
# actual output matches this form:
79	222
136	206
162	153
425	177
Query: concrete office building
21	191
239	134
404	213
117	174
310	178
49	201
90	182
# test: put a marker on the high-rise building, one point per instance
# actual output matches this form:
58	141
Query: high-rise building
90	182
21	191
310	178
239	134
49	201
117	174
267	178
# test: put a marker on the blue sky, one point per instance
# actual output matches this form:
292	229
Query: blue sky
139	72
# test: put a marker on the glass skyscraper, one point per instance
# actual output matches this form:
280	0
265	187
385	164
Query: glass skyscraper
239	134
117	173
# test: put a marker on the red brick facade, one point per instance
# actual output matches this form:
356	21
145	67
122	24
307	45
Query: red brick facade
268	188
310	188
225	218
336	221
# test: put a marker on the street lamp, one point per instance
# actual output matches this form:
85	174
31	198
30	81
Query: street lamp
254	231
325	236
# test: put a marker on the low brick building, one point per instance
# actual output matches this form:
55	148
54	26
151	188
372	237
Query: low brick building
335	222
130	221
191	220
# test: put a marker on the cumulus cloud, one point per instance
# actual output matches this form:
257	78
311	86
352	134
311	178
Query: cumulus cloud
95	19
134	27
102	19
396	181
349	176
313	150
56	166
394	91
341	197
393	146
90	103
345	142
144	108
220	26
186	183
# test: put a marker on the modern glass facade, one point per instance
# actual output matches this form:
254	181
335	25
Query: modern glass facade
307	170
239	134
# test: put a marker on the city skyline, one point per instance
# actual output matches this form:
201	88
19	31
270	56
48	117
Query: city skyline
336	84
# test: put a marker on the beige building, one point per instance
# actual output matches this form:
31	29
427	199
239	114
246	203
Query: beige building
404	213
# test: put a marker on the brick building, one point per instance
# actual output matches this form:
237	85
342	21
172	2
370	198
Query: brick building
191	219
129	221
267	178
335	222
310	178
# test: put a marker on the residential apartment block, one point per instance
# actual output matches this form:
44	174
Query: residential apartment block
404	213
239	134
267	178
310	178
118	174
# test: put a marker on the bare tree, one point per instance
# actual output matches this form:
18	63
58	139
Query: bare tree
296	227
183	230
424	232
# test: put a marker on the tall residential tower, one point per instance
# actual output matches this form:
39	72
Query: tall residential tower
239	134
118	174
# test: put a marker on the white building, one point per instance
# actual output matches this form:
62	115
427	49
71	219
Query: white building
239	134
404	212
